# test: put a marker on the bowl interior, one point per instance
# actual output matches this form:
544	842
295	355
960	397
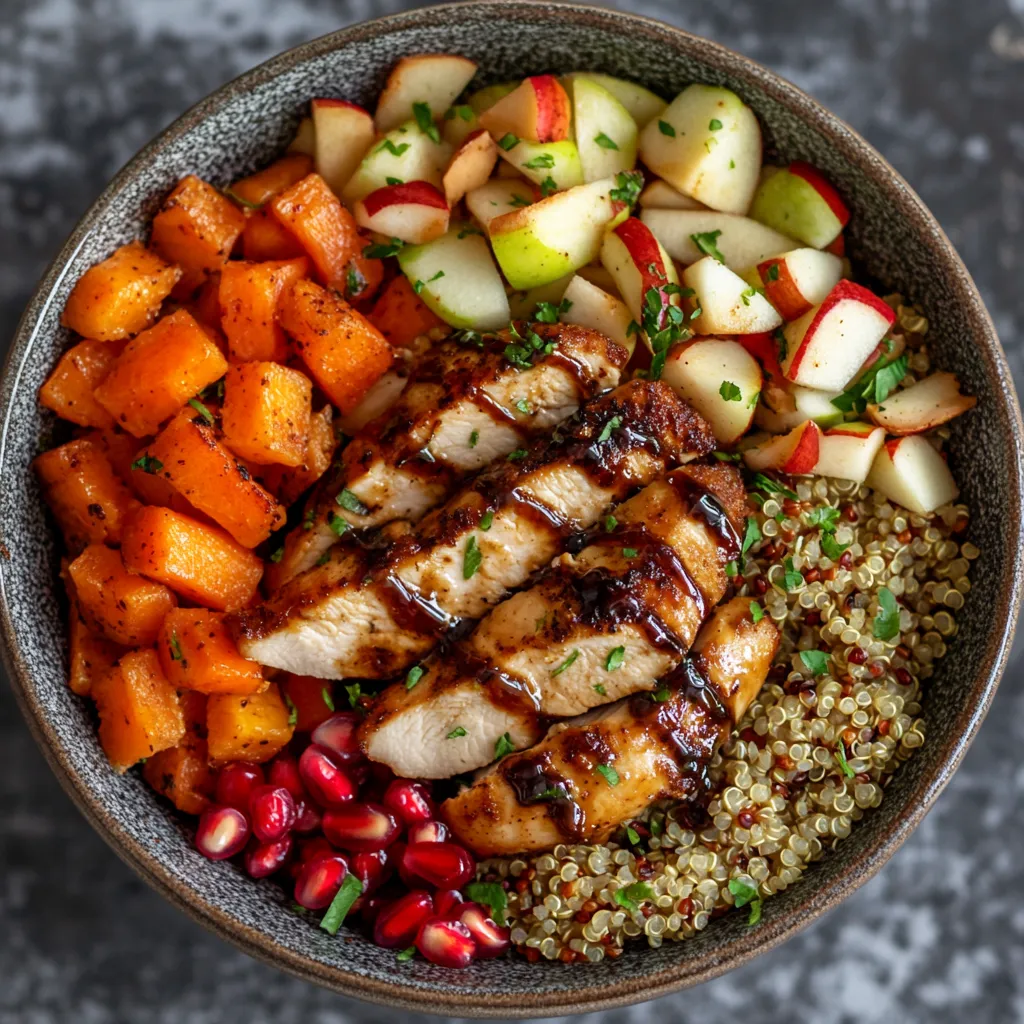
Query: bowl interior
242	127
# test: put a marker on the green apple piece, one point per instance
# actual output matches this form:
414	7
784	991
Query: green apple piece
498	196
540	243
706	144
642	104
523	304
552	165
808	404
606	135
790	202
405	153
485	98
458	123
456	277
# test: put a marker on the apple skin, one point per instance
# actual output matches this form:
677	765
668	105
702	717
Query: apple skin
343	132
418	193
798	201
781	278
927	404
911	473
537	110
638	263
421	159
414	211
795	453
726	304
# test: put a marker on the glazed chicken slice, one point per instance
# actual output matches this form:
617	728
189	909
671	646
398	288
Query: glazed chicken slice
590	774
373	614
464	404
598	626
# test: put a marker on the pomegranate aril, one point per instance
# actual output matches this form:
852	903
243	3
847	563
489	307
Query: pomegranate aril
327	782
397	854
372	868
491	939
411	801
319	881
310	848
371	906
448	902
284	771
272	810
446	865
428	832
446	943
222	832
339	735
266	859
307	817
235	784
397	923
360	827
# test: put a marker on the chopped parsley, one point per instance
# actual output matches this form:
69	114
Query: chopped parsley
406	954
351	889
232	194
524	407
627	187
457	733
744	894
875	385
773	273
338	524
565	664
727	456
662	694
886	623
751	536
474	438
503	746
466	232
348	501
491	895
632	835
355	283
354	692
276	556
542	160
610	522
844	765
731	569
517	201
816	662
486	519
425	122
825	516
714	125
791	579
666	129
471	558
393	181
293	711
748	295
175	645
707	243
616	656
518	455
662	322
413	676
604	142
382	250
599	688
547	186
325	695
420	285
770	486
730	392
831	547
507	142
756	612
147	463
548	312
463	110
202	410
606	431
629	552
608	773
392	148
631	895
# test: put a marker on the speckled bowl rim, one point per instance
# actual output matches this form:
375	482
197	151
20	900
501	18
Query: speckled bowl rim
593	993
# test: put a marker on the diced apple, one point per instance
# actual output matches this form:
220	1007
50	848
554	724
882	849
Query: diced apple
414	212
547	240
642	104
305	138
485	98
637	263
911	473
848	450
605	133
552	165
497	197
741	241
597	274
827	345
590	306
471	166
343	132
720	379
793	453
405	154
922	406
431	78
537	110
660	195
522	304
706	144
456	277
889	349
727	304
797	280
799	201
799	404
458	124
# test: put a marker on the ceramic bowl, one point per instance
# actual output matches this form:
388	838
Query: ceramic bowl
892	238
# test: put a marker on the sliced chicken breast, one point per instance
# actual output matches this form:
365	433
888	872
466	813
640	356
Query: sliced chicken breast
373	615
590	774
465	404
599	625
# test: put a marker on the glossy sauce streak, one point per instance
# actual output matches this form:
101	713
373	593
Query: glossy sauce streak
704	504
534	781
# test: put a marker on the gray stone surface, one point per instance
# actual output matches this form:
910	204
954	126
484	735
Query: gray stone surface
937	87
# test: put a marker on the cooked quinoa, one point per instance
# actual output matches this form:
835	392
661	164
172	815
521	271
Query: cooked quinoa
814	751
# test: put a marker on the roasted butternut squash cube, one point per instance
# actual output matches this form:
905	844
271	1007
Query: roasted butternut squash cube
198	653
266	238
139	710
183	774
120	296
262	186
309	697
266	413
364	276
400	315
249	297
210	478
324	228
205	307
146	480
202	563
197	229
124	607
68	391
88	499
91	656
120	448
252	728
345	353
158	372
290	483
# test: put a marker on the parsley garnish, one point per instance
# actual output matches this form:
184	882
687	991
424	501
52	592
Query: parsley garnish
347	500
547	186
844	765
627	187
392	148
748	295
413	676
471	558
731	568
616	656
610	775
706	241
518	455
474	438
756	612
175	645
744	894
421	111
486	520
815	661
542	160
355	283
202	410
338	524
604	142
791	578
354	692
276	556
293	711
666	129
381	250
147	463
629	552
524	407
606	431
886	623
599	688
632	835
565	664
351	889
662	694
610	522
714	125
465	232
729	391
769	486
489	894
507	142
457	733
393	181
631	895
548	312
752	535
824	516
773	273
831	547
406	954
503	746
325	695
874	385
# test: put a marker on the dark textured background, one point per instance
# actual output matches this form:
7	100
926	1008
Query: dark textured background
938	87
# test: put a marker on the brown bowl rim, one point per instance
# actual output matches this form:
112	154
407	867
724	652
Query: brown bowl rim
594	996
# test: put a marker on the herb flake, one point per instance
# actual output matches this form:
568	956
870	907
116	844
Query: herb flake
351	889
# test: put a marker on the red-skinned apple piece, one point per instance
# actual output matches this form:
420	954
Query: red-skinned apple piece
910	472
828	344
431	78
764	347
471	166
797	280
538	110
800	201
922	406
343	133
848	451
888	349
798	404
414	211
794	453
